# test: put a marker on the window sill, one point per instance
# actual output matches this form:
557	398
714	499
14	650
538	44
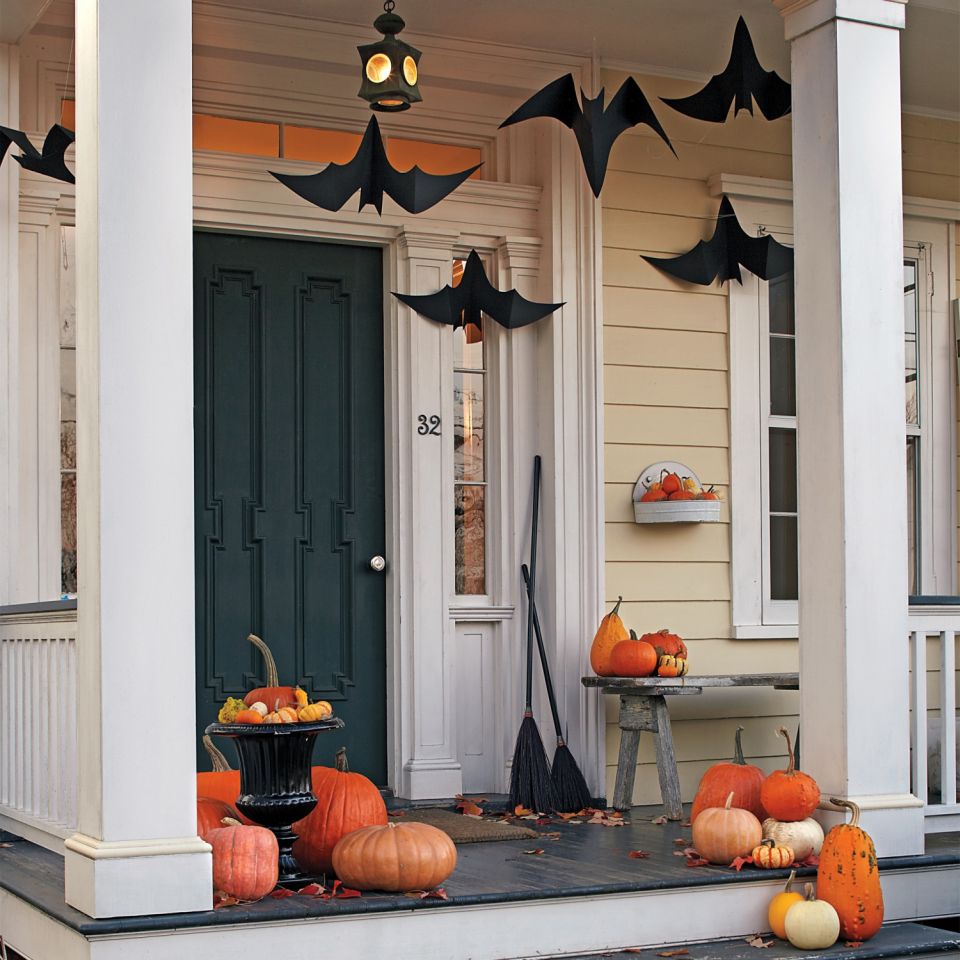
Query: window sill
765	631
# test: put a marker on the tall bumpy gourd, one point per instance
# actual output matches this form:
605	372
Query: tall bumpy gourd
789	794
738	776
345	802
610	632
848	877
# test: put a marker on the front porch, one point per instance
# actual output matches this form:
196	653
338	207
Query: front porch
582	894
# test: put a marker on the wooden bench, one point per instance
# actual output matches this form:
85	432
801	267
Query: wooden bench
643	706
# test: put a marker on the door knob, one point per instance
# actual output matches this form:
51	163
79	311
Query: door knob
378	564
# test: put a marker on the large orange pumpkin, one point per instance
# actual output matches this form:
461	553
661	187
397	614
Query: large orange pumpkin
245	861
610	632
210	814
273	695
222	783
633	658
666	643
396	857
722	833
743	779
345	802
789	794
848	877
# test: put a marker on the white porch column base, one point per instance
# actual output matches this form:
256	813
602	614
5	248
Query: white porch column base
432	779
121	878
848	223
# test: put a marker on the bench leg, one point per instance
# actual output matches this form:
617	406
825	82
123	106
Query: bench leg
666	761
626	769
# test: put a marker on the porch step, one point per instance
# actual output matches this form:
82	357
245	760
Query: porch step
894	940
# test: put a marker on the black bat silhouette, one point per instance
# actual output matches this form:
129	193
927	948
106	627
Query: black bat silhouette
722	254
370	172
48	162
742	78
596	129
460	305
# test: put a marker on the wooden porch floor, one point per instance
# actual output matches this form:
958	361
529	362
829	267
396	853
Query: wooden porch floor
577	860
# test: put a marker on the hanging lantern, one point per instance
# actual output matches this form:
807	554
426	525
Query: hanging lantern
390	68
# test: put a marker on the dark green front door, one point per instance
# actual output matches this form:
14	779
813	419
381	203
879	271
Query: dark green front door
290	479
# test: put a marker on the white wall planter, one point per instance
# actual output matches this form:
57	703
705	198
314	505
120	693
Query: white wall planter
671	511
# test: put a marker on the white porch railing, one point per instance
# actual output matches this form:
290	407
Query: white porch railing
933	718
38	743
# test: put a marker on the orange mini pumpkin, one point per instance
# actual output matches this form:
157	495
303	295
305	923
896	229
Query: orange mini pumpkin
769	855
671	483
610	632
652	496
248	716
789	794
633	658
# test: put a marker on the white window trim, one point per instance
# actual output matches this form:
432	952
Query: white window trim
930	231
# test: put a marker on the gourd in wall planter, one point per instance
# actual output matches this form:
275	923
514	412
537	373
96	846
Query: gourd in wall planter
802	836
812	924
245	860
397	857
722	833
610	632
780	904
789	794
744	779
848	877
345	802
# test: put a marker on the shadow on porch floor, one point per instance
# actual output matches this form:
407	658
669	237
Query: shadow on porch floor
577	860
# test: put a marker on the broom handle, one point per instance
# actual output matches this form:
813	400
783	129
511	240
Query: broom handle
543	657
528	706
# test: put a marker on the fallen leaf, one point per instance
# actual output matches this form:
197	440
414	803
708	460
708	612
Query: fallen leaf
346	893
853	944
697	862
681	840
4	846
679	853
469	808
738	862
553	835
659	821
570	816
460	796
638	854
686	823
220	900
811	861
690	852
281	892
519	811
757	941
674	953
616	815
311	890
534	853
396	813
438	894
632	950
543	821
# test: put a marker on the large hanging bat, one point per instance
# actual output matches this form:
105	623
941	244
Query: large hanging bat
462	304
596	129
370	172
728	248
742	78
49	162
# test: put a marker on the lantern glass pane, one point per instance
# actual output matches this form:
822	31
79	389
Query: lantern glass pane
378	68
410	70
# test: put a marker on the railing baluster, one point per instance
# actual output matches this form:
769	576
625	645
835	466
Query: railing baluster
948	718
918	718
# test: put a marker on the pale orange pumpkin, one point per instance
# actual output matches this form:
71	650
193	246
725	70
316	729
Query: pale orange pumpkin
722	833
245	860
396	857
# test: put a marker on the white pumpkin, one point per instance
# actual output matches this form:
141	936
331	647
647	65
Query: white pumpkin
803	837
812	924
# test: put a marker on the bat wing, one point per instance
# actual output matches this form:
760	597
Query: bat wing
762	256
711	103
417	191
510	309
557	99
51	163
57	141
699	265
330	188
627	109
771	92
444	306
8	135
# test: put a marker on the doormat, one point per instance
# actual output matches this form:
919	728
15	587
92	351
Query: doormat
463	829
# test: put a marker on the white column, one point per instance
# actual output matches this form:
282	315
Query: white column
854	706
422	703
9	316
136	850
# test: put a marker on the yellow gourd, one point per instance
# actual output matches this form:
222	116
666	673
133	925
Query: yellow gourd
315	711
780	904
230	709
610	632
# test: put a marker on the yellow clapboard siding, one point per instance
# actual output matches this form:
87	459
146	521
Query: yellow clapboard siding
664	309
664	387
644	347
658	233
931	156
627	268
931	128
692	619
618	513
931	185
658	194
632	542
668	581
624	461
695	428
724	704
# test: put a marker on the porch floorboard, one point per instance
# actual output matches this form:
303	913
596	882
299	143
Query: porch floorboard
586	861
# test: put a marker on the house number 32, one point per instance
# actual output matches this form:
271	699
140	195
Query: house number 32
428	425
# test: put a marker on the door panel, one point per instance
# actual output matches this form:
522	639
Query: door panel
290	478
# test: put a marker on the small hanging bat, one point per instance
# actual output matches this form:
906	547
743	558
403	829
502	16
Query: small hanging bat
596	129
462	304
742	78
49	162
728	248
370	172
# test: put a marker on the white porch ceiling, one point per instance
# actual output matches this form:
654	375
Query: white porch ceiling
675	37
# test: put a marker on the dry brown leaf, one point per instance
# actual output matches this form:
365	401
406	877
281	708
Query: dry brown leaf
469	808
534	853
853	944
519	811
632	950
738	862
757	941
659	821
311	890
570	816
674	953
553	835
638	854
682	841
4	846
697	862
396	813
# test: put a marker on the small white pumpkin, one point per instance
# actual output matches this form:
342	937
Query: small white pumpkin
260	707
812	924
803	837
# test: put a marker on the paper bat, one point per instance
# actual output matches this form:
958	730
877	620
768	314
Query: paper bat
48	162
460	305
722	255
742	78
596	129
370	172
